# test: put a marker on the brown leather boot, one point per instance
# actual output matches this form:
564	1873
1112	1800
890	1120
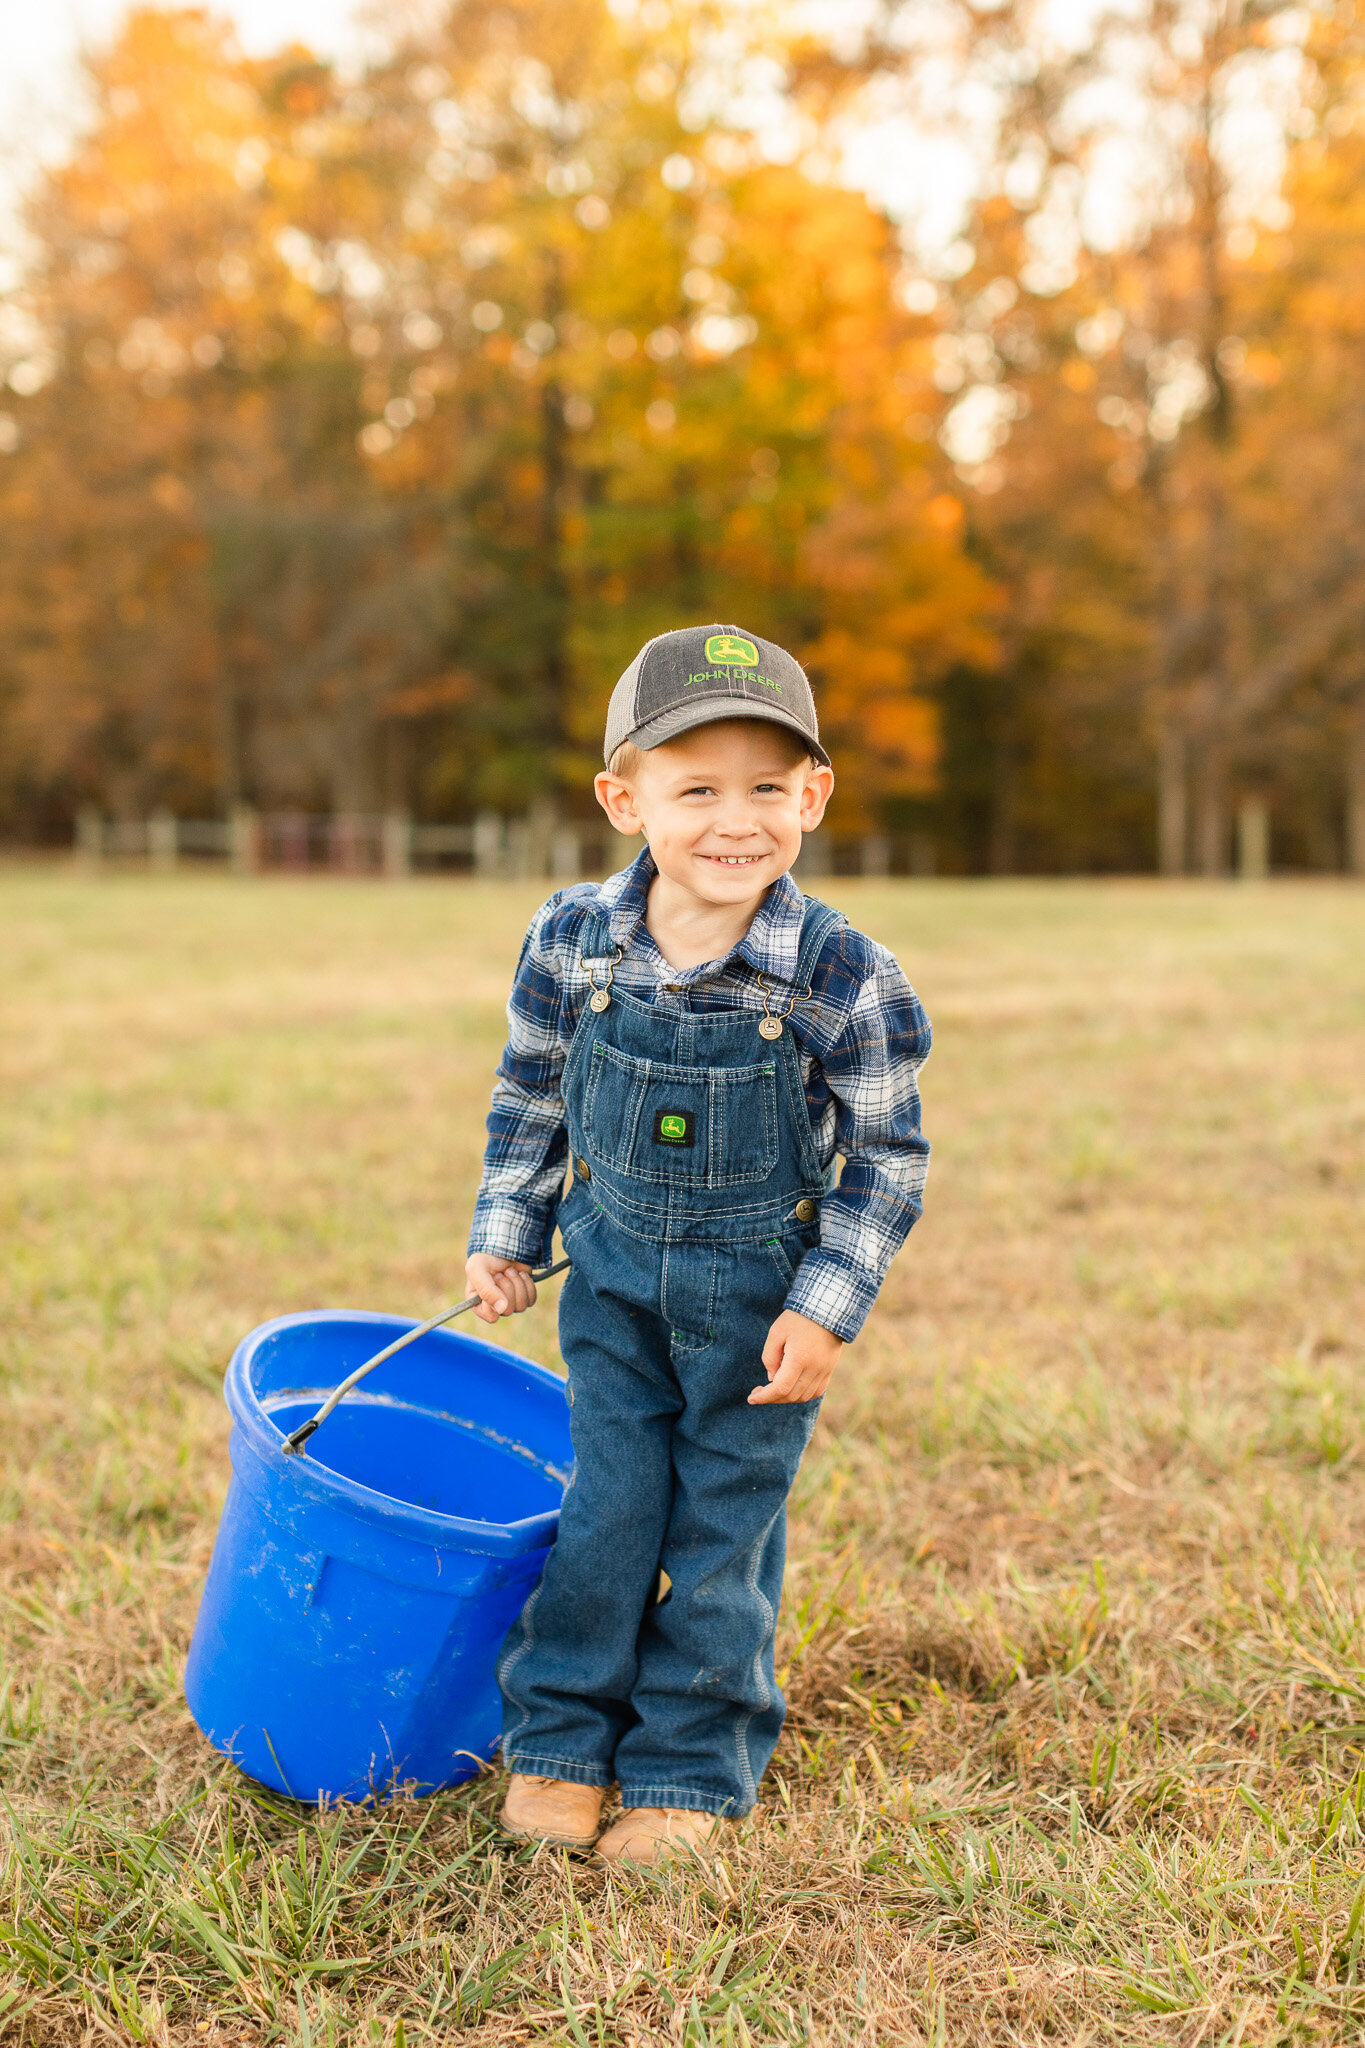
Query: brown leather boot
552	1810
651	1834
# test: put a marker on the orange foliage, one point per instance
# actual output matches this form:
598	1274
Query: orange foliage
384	420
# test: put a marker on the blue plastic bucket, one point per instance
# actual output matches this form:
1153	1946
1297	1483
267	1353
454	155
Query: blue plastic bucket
357	1597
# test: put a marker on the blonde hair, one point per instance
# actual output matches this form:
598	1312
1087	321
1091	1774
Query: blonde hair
625	762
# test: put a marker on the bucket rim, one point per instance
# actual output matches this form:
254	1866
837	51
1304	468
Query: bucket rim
427	1526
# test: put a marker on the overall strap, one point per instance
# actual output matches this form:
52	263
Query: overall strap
819	921
597	955
596	952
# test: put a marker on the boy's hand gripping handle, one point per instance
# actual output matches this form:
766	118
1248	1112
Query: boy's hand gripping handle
297	1438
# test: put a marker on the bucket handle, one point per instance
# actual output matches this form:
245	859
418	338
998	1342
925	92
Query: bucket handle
297	1438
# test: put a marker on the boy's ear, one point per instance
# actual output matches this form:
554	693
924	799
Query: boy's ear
818	789
617	799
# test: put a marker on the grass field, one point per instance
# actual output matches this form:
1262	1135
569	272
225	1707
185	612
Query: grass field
1074	1625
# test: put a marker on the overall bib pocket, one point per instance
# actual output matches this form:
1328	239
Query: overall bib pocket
702	1127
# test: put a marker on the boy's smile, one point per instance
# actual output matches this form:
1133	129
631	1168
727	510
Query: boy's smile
723	809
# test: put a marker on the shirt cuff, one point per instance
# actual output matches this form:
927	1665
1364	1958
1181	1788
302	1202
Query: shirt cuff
504	1229
829	1291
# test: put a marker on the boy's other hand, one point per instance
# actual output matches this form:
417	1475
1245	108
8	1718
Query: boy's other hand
799	1359
504	1286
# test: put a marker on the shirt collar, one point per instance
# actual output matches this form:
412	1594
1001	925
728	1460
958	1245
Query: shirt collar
771	945
625	897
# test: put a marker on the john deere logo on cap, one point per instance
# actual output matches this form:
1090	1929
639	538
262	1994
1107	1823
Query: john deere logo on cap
731	650
673	1127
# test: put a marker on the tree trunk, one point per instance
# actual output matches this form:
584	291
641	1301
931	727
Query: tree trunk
1002	852
228	743
1253	839
352	749
1172	816
1211	815
396	746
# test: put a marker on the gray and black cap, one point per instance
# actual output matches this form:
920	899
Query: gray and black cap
700	674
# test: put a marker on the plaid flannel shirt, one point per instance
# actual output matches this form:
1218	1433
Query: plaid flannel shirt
862	1038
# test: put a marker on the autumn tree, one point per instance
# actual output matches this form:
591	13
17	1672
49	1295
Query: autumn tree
402	411
683	375
1305	362
359	431
1100	346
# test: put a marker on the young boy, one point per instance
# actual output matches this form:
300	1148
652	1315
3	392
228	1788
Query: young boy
696	1040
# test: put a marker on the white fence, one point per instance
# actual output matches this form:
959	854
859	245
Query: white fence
536	846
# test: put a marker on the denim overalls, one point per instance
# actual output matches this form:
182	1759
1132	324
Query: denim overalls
695	1193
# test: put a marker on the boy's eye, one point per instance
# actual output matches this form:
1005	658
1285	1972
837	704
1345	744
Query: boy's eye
698	789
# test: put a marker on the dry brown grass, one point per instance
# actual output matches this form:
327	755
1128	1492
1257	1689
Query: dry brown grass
1073	1620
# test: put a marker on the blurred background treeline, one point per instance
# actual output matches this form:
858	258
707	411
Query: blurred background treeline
360	425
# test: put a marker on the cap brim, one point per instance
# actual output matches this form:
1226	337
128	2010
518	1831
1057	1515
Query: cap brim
681	718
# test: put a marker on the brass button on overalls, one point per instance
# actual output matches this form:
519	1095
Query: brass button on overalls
806	1210
582	1169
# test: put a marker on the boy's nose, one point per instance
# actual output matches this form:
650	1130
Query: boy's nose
736	824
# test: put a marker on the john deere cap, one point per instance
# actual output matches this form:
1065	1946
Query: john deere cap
703	673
